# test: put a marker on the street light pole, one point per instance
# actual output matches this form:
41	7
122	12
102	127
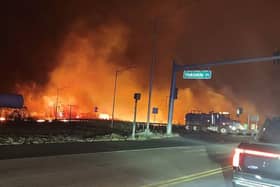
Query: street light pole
114	98
151	77
115	92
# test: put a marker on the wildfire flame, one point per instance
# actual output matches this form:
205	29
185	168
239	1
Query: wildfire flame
84	79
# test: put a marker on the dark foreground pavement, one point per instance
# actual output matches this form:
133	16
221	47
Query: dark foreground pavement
192	160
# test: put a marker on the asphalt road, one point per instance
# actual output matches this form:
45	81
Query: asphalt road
193	160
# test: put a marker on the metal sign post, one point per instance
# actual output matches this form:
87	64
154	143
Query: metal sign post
171	99
155	112
137	97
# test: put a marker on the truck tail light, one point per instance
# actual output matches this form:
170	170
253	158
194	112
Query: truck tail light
238	151
236	157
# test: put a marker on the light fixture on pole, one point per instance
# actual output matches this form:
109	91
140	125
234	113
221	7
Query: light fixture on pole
115	92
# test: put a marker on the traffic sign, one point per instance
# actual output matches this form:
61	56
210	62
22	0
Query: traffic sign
137	96
155	110
197	74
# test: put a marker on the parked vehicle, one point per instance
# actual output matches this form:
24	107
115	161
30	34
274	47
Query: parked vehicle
257	163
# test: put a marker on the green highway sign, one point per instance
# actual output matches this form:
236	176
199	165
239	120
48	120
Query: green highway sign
197	74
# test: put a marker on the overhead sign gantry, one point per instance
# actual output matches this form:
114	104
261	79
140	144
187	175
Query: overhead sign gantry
198	75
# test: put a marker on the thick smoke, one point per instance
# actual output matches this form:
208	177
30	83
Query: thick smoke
85	75
96	39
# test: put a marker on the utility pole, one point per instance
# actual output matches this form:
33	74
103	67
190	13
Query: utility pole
154	60
57	96
56	105
114	98
70	112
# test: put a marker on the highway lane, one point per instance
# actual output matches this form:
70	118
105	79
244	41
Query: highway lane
170	162
38	150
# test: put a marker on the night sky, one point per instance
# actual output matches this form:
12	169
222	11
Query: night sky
198	31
